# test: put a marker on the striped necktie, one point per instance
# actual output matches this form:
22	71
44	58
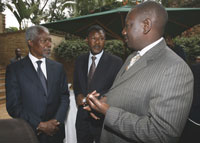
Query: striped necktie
42	77
133	60
92	70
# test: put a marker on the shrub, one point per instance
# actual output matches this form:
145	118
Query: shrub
191	46
70	49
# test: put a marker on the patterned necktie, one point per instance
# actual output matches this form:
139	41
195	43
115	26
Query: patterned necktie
92	70
41	76
133	60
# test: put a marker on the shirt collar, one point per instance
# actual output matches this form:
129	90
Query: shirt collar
147	48
98	56
34	59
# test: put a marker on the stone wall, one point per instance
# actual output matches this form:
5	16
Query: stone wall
2	23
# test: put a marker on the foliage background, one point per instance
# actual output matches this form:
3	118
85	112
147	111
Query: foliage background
191	46
70	49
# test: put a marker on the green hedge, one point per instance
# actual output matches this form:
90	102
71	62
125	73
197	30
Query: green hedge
70	49
191	46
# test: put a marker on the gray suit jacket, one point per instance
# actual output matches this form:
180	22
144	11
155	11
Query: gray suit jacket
150	102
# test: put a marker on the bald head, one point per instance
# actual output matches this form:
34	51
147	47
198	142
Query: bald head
146	22
156	13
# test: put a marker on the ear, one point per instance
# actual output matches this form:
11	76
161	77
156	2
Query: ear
30	43
147	25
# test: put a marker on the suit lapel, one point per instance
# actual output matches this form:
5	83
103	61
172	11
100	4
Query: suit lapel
50	75
125	75
152	54
100	68
30	72
84	74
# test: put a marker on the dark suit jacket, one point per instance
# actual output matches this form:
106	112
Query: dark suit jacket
195	110
104	75
25	96
15	59
102	80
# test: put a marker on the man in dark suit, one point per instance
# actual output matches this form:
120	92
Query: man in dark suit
106	68
17	57
37	89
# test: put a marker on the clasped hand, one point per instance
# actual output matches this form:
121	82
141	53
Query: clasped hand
49	127
96	104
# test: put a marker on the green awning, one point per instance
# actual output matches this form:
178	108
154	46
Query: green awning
180	19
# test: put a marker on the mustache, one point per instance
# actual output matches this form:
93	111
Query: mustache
125	37
96	47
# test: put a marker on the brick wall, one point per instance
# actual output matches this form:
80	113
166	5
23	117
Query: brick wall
2	23
10	41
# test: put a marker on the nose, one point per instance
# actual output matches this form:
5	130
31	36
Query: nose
97	41
48	43
124	31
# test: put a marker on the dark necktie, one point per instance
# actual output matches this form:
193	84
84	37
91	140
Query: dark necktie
92	70
41	76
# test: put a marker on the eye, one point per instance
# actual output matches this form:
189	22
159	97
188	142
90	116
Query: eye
102	39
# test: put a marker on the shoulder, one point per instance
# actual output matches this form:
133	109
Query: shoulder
17	65
112	58
54	63
82	58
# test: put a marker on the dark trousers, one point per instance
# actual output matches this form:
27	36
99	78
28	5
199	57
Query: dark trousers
191	133
87	128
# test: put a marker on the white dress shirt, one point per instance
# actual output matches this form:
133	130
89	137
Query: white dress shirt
98	57
147	48
34	62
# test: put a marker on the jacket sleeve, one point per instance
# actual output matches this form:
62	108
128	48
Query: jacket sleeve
64	97
76	83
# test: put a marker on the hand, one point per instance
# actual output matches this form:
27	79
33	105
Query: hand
98	105
79	99
87	107
49	127
91	114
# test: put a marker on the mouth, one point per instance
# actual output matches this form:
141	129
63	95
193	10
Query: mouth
126	39
96	47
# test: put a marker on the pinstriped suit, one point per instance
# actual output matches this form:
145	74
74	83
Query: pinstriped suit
149	102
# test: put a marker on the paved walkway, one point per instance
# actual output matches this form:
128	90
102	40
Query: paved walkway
3	112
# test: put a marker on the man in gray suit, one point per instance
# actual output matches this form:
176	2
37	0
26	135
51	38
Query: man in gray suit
151	96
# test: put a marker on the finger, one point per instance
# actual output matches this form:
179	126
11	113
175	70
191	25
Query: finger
97	94
87	108
91	104
54	122
94	101
94	116
93	92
